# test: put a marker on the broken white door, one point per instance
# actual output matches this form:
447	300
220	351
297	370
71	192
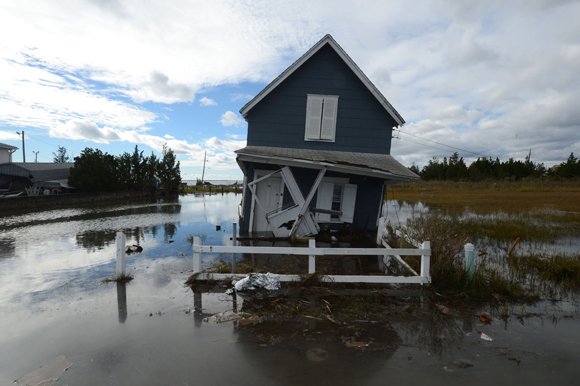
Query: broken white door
269	194
267	212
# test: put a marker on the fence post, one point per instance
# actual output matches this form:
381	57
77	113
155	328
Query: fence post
311	258
381	230
469	259
121	257
234	243
196	254
426	261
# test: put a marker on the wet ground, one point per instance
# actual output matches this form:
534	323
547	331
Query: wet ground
151	331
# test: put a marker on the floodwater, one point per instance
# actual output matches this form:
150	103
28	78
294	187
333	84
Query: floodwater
151	331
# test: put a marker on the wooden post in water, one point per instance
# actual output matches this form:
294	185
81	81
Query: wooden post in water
121	257
234	243
311	258
196	254
469	259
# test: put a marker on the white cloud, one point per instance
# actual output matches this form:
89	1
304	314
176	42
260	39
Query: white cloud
229	118
85	130
81	129
158	88
9	135
156	52
205	101
235	136
226	145
220	155
494	77
242	98
35	95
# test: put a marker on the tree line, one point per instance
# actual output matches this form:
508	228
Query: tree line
455	169
95	171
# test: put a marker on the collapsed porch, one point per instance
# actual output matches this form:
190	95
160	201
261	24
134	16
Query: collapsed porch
294	192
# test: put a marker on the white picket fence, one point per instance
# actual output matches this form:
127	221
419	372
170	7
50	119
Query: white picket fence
423	277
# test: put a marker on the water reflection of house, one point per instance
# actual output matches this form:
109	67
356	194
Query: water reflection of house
16	176
7	247
318	148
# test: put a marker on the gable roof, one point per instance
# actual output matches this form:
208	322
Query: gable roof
328	39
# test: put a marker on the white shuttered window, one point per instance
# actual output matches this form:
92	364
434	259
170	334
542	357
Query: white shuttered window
321	117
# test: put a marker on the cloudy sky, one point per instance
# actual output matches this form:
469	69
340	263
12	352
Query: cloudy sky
484	78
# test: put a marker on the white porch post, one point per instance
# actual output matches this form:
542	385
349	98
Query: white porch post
121	257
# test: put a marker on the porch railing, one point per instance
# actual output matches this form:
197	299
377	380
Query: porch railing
312	251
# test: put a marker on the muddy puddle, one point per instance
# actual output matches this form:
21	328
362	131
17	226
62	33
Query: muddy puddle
56	311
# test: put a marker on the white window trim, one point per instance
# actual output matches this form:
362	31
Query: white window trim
319	118
346	217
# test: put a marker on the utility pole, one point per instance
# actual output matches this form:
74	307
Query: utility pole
21	133
36	156
203	171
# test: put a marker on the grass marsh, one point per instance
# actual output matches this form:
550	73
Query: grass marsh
527	235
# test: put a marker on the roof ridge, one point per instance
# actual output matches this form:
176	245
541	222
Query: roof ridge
327	39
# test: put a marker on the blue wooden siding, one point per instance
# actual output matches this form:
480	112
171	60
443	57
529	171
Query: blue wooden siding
363	125
369	197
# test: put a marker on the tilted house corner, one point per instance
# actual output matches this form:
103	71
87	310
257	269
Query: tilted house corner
318	148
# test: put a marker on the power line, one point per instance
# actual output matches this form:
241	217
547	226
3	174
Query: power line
439	143
418	143
34	138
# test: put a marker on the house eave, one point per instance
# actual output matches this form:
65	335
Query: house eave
328	39
10	148
360	170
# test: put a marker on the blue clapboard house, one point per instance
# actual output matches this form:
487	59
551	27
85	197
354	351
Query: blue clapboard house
318	149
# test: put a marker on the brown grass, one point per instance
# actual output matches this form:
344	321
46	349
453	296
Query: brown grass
539	212
488	197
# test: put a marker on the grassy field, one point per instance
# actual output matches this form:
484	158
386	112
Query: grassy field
489	197
211	189
542	217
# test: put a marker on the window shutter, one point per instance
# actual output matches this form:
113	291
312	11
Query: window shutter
324	200
313	115
328	128
348	202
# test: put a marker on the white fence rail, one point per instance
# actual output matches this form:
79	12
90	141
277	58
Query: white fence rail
312	251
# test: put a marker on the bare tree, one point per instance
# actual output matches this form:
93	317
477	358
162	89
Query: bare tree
60	156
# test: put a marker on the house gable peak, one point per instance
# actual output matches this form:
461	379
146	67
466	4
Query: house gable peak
326	40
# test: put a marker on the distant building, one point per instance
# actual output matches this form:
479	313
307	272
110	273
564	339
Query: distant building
15	176
6	153
318	148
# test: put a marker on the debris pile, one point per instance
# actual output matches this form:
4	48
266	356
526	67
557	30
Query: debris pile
256	281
